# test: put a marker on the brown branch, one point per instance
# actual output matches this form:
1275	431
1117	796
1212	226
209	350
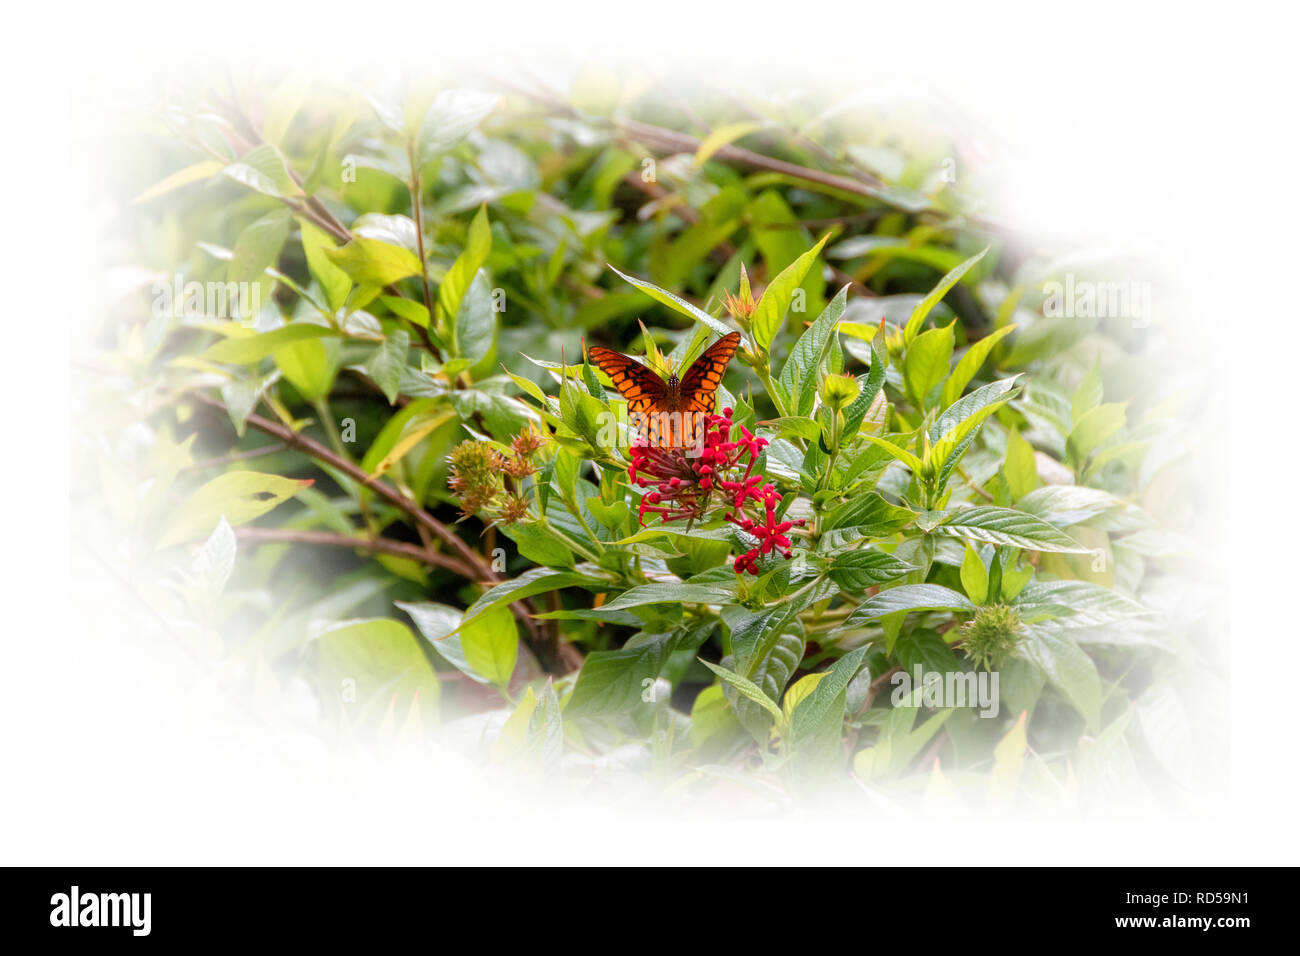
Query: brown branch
315	449
864	184
557	657
236	456
670	140
875	686
311	207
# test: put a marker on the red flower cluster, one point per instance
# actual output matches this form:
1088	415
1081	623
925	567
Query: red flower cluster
684	485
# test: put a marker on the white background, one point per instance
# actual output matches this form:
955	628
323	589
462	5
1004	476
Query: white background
1169	126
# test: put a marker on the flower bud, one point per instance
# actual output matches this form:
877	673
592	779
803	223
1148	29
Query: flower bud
838	391
991	636
741	306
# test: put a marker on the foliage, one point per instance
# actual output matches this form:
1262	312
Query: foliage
382	467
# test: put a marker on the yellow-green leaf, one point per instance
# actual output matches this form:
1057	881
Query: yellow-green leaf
240	496
183	177
374	262
245	350
456	282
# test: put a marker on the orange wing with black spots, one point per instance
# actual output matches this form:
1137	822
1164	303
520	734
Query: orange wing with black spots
644	390
703	378
666	413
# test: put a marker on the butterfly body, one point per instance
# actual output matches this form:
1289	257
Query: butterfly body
669	414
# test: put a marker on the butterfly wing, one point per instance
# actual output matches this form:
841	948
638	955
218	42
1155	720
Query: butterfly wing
644	390
699	386
703	378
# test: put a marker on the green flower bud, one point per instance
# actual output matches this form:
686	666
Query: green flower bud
991	635
838	391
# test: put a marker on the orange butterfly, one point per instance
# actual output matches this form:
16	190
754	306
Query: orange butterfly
667	414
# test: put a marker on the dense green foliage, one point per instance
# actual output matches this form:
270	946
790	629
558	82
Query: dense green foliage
385	481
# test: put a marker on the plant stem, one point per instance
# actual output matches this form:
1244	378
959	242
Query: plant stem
563	659
417	213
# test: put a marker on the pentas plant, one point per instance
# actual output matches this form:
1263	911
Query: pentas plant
834	530
686	484
899	478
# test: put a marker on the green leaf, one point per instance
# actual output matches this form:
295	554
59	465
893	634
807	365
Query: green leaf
907	597
309	366
437	623
1077	604
382	656
264	170
333	280
802	369
970	363
1006	526
412	430
781	242
248	349
539	543
374	262
257	249
1088	395
813	711
408	309
190	174
585	415
974	576
898	743
1067	667
797	693
476	323
614	682
1092	429
462	272
926	362
1066	505
769	315
1047	337
452	116
533	582
924	307
711	715
906	457
490	643
665	593
387	363
722	136
1020	470
859	570
241	397
675	303
216	559
869	385
789	426
1008	760
960	418
948	451
746	688
238	496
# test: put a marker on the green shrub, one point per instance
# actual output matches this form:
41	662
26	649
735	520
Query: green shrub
373	457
